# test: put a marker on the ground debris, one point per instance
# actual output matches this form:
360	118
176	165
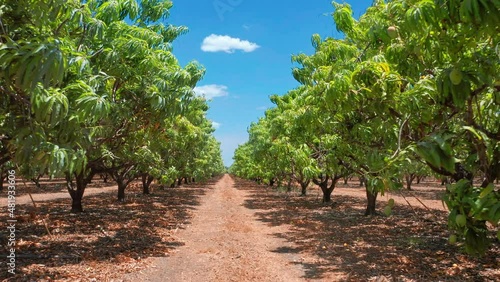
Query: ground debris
107	240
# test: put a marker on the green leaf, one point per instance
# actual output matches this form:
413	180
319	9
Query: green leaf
486	191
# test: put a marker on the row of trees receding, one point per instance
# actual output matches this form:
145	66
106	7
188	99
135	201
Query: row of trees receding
93	87
412	84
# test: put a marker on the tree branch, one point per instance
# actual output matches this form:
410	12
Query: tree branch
16	96
56	33
399	136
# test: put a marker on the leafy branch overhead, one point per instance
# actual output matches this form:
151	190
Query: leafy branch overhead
93	88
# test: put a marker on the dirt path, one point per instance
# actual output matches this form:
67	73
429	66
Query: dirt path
225	242
236	230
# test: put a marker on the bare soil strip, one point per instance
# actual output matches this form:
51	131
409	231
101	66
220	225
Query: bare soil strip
226	243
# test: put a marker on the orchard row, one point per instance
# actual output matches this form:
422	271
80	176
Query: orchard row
92	87
413	85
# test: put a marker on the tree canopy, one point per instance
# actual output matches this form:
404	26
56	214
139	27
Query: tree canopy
93	87
413	81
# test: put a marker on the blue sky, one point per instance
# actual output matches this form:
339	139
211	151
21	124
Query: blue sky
246	48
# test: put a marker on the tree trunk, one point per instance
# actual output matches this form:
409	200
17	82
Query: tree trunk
289	185
179	181
409	180
123	177
271	182
371	198
492	174
327	191
1	180
327	195
146	182
76	203
121	190
304	185
419	179
346	180
77	194
362	181
36	180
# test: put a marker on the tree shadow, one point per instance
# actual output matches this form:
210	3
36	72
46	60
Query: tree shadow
425	192
286	250
339	240
107	234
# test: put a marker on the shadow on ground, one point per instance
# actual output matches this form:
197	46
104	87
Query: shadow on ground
107	233
409	245
56	185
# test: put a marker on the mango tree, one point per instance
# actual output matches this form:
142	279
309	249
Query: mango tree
72	72
43	53
353	89
289	132
442	52
448	52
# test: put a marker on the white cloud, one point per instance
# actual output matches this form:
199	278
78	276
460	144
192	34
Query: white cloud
247	27
225	43
215	124
211	91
